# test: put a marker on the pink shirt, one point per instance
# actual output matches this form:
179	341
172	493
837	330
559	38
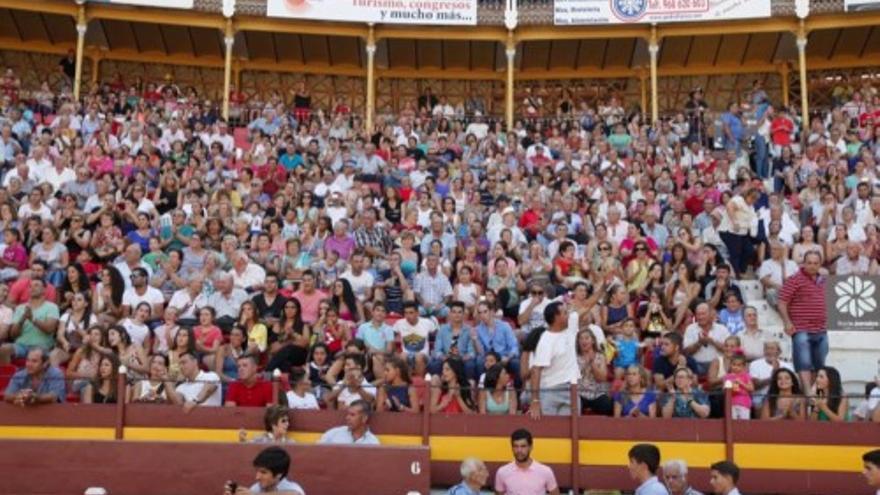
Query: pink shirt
15	253
740	396
309	304
537	479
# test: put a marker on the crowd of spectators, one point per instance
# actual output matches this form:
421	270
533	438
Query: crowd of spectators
494	266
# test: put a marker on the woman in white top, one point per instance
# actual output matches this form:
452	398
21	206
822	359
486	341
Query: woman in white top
136	325
466	290
152	389
300	395
737	227
72	328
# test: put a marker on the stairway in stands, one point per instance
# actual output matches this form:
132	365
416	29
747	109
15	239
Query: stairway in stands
768	318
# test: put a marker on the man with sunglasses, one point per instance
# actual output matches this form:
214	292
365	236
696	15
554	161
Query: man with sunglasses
531	310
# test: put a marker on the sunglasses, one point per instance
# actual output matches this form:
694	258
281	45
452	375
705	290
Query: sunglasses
640	249
537	292
604	248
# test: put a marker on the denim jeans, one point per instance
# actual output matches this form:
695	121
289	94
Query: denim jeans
808	350
762	161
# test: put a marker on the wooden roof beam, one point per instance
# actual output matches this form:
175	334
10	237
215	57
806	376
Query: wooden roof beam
483	33
441	74
842	21
751	26
293	26
42	6
549	33
157	16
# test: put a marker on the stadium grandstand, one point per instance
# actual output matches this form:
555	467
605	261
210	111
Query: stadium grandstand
439	246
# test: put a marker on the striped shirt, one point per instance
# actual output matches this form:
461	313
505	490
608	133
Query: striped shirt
805	297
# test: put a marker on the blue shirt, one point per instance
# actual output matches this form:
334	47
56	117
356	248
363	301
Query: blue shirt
502	340
52	383
377	338
734	123
267	126
444	341
342	435
290	161
447	241
462	489
659	233
627	352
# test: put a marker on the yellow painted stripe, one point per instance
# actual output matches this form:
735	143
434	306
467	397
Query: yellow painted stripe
180	434
56	433
794	457
497	449
229	435
800	457
615	452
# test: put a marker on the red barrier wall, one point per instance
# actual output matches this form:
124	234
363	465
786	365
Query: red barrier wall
32	467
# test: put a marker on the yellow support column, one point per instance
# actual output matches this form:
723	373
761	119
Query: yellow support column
229	41
371	78
802	66
96	68
643	87
654	50
81	26
508	92
783	76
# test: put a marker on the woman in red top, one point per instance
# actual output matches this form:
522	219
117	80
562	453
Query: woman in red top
451	391
333	332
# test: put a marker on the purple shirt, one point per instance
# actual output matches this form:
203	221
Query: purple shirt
343	247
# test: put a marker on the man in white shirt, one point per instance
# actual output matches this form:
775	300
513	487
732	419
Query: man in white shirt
59	174
131	260
723	477
39	163
199	388
854	263
554	364
761	370
531	310
617	228
361	280
704	338
413	331
35	206
246	275
223	137
141	291
187	300
272	465
774	271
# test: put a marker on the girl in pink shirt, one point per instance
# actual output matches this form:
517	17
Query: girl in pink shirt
743	387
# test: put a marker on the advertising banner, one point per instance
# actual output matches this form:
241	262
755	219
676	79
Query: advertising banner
438	12
574	12
851	302
165	4
861	5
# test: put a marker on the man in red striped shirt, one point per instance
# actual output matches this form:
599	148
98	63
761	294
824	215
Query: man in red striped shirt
802	307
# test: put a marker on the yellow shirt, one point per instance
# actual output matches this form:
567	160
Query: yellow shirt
259	335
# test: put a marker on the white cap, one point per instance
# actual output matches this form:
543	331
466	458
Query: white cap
95	490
